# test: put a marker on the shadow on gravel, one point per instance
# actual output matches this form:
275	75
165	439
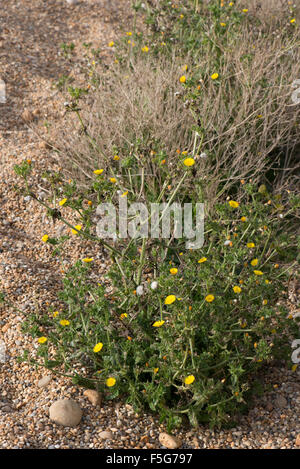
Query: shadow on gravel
31	33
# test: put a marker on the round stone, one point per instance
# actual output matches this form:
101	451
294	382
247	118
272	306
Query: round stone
169	441
43	382
65	412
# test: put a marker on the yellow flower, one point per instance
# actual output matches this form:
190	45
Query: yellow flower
254	262
124	194
78	228
145	49
110	382
294	367
116	157
189	162
173	271
214	76
182	79
267	281
129	33
265	302
237	289
223	25
209	298
111	44
98	347
88	259
158	323
123	315
45	238
98	171
62	202
233	203
250	245
170	299
55	314
155	370
245	10
113	180
258	272
42	340
203	259
64	322
293	20
189	379
243	219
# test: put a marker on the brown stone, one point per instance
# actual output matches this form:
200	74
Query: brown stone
5	327
94	397
105	435
169	441
44	145
65	412
27	116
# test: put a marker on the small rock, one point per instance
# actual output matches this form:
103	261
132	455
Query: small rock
94	397
297	442
169	441
44	145
280	402
5	327
269	406
65	412
6	409
105	435
44	381
27	116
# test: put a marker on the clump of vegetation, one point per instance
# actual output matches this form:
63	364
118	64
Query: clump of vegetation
196	108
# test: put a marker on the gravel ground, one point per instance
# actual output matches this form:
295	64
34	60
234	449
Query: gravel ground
31	34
